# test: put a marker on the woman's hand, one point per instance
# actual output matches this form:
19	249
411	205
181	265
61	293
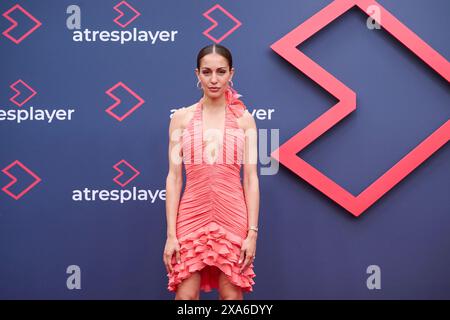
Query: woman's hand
172	246
248	251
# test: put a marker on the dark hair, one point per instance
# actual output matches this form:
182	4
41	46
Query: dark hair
215	48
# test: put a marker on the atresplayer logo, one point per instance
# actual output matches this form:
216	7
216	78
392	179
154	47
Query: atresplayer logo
127	173
21	93
125	10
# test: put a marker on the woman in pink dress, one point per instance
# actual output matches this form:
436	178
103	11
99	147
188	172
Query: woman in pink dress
212	230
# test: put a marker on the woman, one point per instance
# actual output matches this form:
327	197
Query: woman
212	231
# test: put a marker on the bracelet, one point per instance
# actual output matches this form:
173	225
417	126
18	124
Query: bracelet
254	228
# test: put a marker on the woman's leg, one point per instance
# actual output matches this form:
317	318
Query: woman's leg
227	290
189	289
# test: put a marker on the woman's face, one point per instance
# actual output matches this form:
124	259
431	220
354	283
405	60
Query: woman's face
214	74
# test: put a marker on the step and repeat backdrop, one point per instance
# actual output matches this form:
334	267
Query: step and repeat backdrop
352	102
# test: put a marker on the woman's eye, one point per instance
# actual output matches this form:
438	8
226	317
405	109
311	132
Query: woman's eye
221	72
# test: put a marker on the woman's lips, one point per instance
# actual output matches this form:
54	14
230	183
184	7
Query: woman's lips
213	89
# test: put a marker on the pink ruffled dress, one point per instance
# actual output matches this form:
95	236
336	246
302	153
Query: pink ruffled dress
212	217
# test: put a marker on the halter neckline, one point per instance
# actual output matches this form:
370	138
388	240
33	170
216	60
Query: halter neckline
223	130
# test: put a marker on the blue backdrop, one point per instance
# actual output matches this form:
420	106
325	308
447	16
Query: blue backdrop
56	235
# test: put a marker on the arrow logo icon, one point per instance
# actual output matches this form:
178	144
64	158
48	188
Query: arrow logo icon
121	173
110	93
14	180
18	93
121	13
215	23
286	154
7	34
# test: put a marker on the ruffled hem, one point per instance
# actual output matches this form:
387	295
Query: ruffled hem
212	246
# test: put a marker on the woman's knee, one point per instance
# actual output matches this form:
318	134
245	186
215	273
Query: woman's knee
227	290
231	294
187	295
189	289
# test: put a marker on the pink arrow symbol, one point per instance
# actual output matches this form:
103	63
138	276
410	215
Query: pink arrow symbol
15	24
110	109
116	178
287	153
215	24
126	4
18	93
14	180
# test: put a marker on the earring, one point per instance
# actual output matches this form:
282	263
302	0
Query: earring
231	82
198	84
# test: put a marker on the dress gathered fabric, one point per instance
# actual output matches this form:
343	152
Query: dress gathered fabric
212	218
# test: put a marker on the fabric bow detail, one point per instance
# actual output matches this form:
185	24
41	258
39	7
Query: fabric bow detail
236	105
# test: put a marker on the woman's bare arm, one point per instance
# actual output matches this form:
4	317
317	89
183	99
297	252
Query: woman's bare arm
250	180
251	189
174	180
174	184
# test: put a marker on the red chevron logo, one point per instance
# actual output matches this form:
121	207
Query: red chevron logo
215	24
287	152
15	24
18	93
121	173
110	109
14	180
121	13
